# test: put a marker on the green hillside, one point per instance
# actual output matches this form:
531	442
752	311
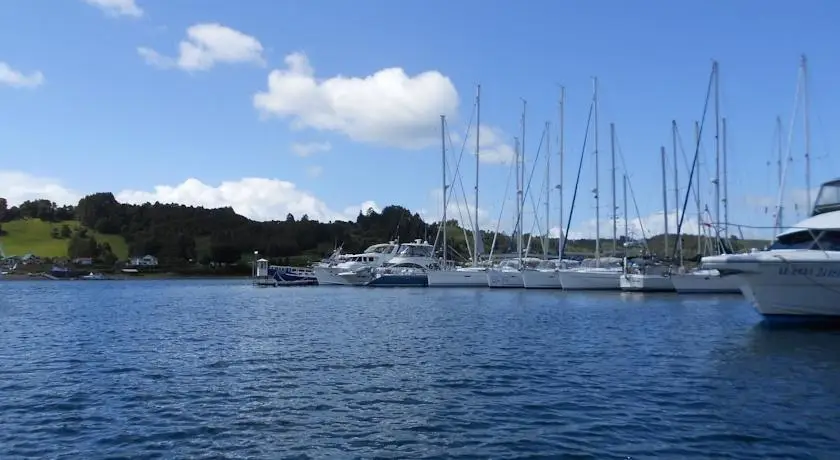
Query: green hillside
35	236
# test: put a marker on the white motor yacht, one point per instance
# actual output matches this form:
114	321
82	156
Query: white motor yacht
327	273
799	275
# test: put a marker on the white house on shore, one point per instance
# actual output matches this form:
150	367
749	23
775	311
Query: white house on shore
145	261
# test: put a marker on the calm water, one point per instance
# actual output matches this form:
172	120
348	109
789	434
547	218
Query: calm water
220	369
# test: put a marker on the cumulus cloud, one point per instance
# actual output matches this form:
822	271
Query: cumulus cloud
256	198
117	7
207	45
306	149
492	145
17	79
389	107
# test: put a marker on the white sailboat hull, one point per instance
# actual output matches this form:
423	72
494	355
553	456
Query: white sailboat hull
457	278
634	282
541	279
504	279
590	280
704	282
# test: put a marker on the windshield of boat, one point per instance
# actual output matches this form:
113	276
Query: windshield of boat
826	240
414	250
380	249
828	198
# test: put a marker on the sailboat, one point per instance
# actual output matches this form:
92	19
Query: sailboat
646	274
598	273
704	280
474	275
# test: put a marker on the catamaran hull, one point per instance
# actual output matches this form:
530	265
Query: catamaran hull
780	288
645	283
537	279
504	279
605	280
457	278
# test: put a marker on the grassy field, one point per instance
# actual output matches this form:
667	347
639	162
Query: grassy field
34	236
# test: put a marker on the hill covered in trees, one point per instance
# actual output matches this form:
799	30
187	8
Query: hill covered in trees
179	234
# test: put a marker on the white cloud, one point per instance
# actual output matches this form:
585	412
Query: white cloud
314	171
492	147
117	7
256	198
18	79
207	45
351	212
388	108
17	187
305	149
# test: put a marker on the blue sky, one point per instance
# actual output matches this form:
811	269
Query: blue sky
120	108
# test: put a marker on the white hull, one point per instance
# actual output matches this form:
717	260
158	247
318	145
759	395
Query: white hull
457	278
541	279
635	282
704	282
327	276
504	279
590	280
786	282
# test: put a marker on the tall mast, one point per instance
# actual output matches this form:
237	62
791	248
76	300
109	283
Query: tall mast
562	237
665	197
518	200
725	187
626	212
807	134
477	230
614	207
443	160
779	164
717	150
597	191
697	175
547	188
522	180
678	243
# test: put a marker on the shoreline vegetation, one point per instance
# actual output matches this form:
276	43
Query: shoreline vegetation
101	235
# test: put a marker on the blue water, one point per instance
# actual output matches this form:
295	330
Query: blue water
165	369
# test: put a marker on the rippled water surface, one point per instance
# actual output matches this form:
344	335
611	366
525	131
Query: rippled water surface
222	369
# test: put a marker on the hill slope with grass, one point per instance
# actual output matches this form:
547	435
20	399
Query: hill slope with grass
45	239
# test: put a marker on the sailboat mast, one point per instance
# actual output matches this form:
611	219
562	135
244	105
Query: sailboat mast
678	243
518	230
522	179
626	227
725	186
779	164
443	161
697	170
614	207
547	188
807	124
477	230
665	196
717	149
597	176
561	237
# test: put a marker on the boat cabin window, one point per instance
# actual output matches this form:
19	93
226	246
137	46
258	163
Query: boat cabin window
416	251
826	240
828	198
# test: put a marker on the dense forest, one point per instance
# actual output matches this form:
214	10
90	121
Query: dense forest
179	234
